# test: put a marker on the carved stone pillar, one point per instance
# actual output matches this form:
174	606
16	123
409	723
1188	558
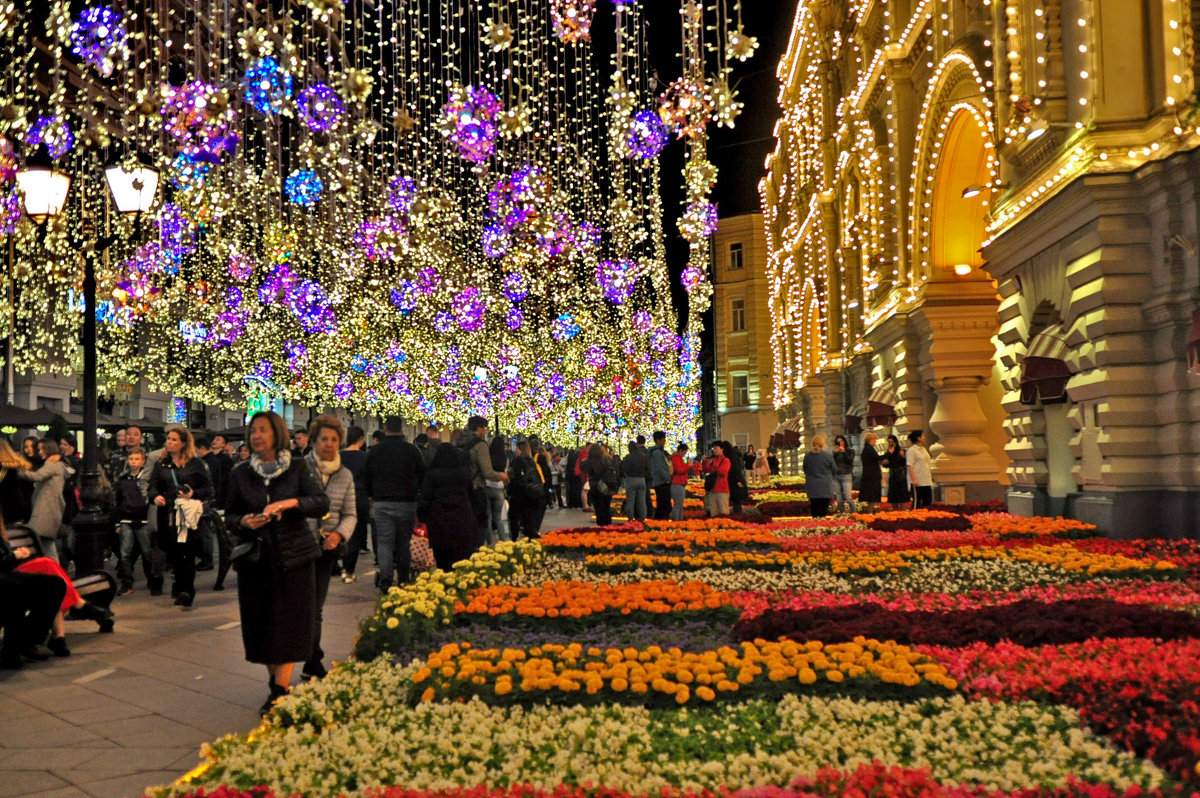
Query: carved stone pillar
958	320
834	404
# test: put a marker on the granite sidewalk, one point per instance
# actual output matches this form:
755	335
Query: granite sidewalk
131	709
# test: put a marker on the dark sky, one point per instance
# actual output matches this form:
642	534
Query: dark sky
739	153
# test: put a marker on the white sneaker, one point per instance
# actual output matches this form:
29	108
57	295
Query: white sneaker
350	578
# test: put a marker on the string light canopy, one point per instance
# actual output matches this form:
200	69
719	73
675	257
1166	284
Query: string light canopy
425	208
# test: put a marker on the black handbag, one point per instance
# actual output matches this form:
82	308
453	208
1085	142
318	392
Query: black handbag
246	552
710	481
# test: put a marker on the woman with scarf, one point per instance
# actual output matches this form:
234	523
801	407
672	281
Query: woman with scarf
337	526
269	501
179	484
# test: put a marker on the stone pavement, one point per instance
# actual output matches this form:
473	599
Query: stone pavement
129	710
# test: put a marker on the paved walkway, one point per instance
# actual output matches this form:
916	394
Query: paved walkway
130	709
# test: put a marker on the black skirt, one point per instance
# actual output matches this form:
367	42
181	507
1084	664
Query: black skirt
278	610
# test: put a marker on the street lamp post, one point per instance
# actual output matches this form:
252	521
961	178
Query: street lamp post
133	192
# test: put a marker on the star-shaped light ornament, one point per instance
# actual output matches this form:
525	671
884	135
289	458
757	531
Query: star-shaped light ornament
726	108
497	35
325	11
357	83
404	123
740	45
516	121
255	43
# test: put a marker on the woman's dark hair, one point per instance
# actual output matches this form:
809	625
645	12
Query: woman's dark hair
841	438
915	435
245	446
595	451
445	456
523	449
895	440
499	452
278	429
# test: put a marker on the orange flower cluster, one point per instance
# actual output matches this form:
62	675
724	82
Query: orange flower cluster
1063	556
581	599
695	524
667	539
907	515
571	672
1014	526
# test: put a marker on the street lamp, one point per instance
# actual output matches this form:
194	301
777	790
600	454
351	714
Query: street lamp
133	192
45	191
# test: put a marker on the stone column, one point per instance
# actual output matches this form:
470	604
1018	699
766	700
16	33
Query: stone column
834	405
958	320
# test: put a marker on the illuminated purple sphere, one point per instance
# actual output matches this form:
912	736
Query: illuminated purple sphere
647	135
320	108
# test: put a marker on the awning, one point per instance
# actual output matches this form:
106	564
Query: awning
1193	347
786	435
1044	370
854	417
881	407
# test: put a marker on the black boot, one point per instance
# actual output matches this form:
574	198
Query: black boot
103	617
277	691
155	585
59	646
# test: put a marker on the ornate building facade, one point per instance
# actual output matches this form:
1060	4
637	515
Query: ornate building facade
983	222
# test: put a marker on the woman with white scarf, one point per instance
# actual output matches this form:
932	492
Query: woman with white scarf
269	501
337	526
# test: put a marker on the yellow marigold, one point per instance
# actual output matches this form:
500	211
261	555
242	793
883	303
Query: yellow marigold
705	693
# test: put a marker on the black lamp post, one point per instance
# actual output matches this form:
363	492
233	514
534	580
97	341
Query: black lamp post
133	192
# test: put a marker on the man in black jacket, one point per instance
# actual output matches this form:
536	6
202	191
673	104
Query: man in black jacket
392	475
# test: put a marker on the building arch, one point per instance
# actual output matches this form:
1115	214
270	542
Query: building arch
956	150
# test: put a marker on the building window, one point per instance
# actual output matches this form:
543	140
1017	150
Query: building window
741	390
737	315
735	255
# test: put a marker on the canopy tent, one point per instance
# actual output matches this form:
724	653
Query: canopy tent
1044	370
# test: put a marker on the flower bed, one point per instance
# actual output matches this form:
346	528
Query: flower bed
1025	622
596	667
927	520
653	677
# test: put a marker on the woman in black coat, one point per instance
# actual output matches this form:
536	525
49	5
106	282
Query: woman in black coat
444	505
897	466
179	474
739	488
870	487
269	498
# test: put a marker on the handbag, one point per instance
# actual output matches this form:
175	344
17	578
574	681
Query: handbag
710	481
246	552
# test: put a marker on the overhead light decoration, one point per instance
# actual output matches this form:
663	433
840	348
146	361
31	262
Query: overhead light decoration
647	135
267	86
573	19
321	109
53	133
319	232
303	188
469	120
99	38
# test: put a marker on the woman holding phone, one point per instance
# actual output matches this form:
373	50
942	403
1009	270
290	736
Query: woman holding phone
179	474
269	500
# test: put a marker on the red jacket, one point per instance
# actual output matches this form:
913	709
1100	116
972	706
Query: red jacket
720	467
680	475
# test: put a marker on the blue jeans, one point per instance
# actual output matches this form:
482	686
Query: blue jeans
678	492
843	484
133	533
497	526
394	522
635	498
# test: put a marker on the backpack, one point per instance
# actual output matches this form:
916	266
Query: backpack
467	462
